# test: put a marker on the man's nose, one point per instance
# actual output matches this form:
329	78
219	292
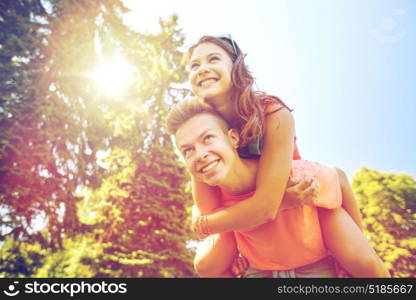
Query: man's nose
201	153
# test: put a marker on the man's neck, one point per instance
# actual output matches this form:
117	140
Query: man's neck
242	178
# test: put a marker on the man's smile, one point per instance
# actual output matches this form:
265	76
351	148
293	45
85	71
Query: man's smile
209	166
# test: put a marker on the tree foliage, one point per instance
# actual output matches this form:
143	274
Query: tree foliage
388	204
90	180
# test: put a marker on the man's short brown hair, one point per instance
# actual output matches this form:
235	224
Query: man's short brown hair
188	108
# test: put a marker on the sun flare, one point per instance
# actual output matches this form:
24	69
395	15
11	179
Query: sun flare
113	76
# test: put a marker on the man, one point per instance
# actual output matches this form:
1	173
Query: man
291	245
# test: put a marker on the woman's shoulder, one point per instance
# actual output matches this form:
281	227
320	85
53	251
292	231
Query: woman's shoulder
279	123
272	104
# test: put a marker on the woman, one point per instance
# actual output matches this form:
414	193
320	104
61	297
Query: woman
219	76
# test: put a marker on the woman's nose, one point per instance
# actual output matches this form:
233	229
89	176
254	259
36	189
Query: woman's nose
202	69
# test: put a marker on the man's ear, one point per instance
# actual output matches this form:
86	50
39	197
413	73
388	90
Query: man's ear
234	137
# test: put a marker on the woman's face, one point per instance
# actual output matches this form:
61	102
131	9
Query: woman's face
210	70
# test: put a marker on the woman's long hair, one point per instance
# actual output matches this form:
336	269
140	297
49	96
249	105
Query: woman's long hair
248	104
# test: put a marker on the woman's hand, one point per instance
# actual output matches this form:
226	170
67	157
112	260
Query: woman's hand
299	192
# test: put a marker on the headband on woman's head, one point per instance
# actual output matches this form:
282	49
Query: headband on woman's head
229	40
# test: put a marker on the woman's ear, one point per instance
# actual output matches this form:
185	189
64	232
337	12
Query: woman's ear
234	137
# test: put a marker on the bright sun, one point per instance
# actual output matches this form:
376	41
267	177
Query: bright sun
113	76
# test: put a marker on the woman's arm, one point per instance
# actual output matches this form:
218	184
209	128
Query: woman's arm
272	178
206	198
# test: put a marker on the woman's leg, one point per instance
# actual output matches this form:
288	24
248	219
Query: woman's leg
348	244
349	203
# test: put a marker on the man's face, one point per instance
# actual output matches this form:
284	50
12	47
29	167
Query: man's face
208	151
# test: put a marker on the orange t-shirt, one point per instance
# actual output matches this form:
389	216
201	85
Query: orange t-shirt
294	238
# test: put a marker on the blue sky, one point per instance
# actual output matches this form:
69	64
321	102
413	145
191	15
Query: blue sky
348	68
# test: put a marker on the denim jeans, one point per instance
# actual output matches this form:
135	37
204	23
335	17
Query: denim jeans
324	268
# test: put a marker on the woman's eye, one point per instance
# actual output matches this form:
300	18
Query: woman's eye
214	58
208	138
194	66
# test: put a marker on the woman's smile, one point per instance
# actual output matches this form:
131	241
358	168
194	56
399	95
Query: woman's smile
207	82
210	71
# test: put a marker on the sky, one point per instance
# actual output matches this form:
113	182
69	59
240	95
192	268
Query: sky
346	67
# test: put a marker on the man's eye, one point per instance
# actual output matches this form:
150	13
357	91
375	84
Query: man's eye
186	152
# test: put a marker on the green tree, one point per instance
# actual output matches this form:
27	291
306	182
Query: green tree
92	168
20	258
388	204
19	47
148	236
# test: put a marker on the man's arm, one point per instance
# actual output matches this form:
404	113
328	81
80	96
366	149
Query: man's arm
215	255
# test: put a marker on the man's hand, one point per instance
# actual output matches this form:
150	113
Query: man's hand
299	192
239	266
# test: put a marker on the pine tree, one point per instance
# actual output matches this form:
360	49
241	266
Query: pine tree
95	169
148	236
